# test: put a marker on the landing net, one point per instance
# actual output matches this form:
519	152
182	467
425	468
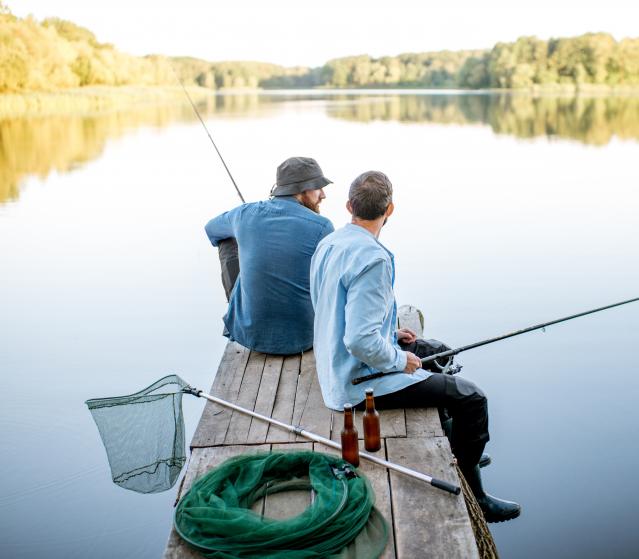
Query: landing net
143	434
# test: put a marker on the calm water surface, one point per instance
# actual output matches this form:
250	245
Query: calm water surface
510	211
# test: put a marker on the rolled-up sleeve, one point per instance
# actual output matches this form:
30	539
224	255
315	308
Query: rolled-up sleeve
367	301
219	228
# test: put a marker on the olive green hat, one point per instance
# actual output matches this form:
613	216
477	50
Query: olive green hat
298	174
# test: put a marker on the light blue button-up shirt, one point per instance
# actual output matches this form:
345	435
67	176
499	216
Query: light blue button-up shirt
270	307
352	277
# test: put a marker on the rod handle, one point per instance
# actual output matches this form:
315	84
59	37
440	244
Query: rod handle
446	486
359	380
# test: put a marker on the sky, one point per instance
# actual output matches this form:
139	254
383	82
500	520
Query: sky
297	32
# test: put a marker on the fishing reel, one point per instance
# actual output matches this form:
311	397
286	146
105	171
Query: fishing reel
449	368
445	365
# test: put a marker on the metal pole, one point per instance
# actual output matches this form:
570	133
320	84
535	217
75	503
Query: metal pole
451	352
440	484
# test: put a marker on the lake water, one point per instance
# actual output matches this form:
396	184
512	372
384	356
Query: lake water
510	211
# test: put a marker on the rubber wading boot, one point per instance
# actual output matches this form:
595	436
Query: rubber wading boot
494	509
447	426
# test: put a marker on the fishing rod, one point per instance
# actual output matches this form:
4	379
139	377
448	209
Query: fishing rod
209	134
452	352
438	483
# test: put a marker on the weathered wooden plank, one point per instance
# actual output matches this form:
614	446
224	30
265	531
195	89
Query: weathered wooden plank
423	422
285	399
378	476
265	398
240	423
302	394
315	416
211	429
289	503
428	523
177	548
202	460
392	423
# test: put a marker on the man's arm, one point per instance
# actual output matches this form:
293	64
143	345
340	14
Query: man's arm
367	299
220	228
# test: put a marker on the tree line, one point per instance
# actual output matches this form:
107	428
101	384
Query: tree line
56	54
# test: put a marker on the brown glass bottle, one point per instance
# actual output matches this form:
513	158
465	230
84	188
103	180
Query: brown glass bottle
372	438
350	445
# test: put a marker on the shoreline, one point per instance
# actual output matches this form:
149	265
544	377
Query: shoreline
94	99
100	99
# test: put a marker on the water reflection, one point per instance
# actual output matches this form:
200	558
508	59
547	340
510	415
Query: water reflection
40	145
593	120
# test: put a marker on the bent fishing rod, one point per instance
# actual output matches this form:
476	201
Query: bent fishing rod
438	483
208	133
452	352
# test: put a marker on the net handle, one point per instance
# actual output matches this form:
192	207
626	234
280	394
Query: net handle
438	483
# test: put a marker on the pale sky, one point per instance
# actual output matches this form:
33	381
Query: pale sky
295	32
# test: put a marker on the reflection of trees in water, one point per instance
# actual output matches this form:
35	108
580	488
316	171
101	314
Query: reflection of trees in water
40	145
37	146
591	120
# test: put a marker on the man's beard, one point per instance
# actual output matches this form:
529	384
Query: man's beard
307	203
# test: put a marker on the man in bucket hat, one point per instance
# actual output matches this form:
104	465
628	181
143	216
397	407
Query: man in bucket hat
265	251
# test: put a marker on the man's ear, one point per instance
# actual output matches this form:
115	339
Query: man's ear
389	210
349	207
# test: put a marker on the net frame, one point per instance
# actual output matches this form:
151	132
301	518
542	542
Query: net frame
143	435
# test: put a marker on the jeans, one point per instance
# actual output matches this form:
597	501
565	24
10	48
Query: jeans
229	263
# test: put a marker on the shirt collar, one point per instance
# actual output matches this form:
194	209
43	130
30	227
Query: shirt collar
290	198
360	229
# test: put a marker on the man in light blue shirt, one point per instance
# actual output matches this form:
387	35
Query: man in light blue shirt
269	303
352	277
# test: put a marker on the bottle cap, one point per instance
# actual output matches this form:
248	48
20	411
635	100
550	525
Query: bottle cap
348	407
369	391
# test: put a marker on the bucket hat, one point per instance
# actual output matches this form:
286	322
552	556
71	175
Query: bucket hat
297	175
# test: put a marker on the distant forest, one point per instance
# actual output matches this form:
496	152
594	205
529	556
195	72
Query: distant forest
55	54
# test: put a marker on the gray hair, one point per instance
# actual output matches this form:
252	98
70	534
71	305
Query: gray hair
370	195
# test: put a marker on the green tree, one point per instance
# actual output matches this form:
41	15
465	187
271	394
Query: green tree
474	73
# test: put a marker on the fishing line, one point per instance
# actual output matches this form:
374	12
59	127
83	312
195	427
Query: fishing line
208	133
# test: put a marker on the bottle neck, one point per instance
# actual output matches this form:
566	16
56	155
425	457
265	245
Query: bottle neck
348	419
370	404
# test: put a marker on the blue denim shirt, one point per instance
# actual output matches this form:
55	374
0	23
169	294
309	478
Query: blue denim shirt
270	306
352	277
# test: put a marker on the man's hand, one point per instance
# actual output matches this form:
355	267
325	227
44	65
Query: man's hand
406	335
412	362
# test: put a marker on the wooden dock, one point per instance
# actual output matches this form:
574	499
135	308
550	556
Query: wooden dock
424	522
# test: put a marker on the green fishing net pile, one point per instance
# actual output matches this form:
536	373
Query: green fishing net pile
215	516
